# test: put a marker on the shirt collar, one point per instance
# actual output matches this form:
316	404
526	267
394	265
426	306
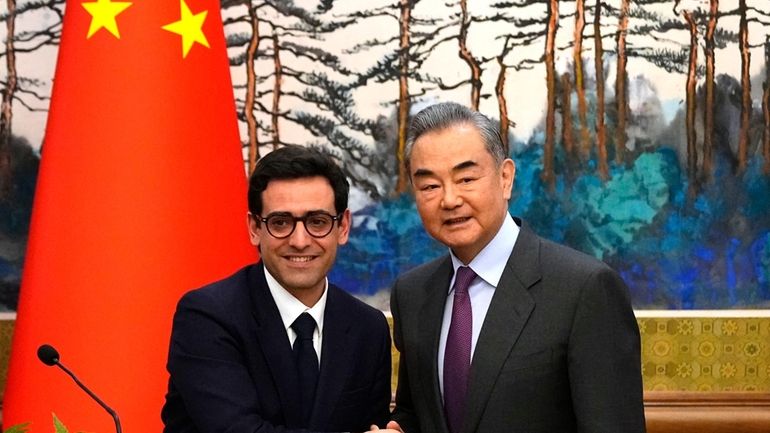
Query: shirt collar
490	262
290	307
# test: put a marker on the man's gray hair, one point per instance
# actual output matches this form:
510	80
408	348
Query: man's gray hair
445	114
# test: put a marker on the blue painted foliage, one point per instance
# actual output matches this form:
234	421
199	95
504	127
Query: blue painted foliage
675	248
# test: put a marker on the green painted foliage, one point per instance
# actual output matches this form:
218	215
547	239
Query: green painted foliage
18	428
614	212
58	425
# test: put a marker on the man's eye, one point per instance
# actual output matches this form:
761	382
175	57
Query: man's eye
428	187
279	222
317	221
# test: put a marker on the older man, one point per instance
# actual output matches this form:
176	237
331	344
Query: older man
508	332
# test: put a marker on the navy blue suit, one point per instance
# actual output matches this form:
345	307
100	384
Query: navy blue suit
232	369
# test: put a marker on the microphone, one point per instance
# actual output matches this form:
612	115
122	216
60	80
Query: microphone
48	355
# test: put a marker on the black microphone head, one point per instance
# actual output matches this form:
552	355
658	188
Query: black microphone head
48	354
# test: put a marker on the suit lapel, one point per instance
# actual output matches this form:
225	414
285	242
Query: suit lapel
430	318
508	313
274	343
337	356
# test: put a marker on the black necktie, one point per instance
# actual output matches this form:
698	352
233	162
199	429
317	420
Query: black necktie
307	362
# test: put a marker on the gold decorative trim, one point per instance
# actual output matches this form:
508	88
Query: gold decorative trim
706	351
6	332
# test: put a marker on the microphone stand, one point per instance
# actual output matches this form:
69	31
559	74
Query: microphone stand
97	399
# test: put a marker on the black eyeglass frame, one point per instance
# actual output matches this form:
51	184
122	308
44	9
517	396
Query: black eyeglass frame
335	218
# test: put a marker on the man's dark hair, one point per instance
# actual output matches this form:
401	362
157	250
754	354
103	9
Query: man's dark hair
294	162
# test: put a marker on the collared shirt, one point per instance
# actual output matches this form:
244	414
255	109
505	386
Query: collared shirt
489	265
290	308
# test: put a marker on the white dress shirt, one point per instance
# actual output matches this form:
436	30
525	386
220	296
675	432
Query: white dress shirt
290	308
489	265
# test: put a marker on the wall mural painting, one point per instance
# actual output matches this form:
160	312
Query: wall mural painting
640	128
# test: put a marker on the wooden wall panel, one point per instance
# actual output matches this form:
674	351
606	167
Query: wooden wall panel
707	412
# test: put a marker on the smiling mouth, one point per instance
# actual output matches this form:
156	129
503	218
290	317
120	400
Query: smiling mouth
300	259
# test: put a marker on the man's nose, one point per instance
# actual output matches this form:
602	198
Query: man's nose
450	198
300	238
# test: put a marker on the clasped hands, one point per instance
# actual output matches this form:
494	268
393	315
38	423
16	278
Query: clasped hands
392	427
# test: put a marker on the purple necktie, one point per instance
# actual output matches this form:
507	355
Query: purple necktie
457	356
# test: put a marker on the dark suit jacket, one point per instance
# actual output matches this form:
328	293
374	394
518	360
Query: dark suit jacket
232	369
559	350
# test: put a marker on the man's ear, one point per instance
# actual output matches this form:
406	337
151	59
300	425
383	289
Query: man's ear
344	227
507	175
254	229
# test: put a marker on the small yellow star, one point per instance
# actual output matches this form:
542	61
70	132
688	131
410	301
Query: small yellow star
190	27
103	13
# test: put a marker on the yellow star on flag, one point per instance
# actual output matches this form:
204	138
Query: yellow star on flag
190	27
103	13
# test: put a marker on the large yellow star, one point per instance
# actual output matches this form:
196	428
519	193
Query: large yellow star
190	27
103	13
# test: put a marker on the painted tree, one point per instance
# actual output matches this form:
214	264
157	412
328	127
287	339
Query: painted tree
577	64
578	142
548	176
249	104
746	108
25	93
412	45
636	25
601	133
681	59
528	32
248	35
17	88
692	80
714	37
338	128
404	20
523	33
436	33
502	104
708	109
621	92
301	24
766	110
461	21
700	127
468	57
567	136
747	137
318	86
762	18
6	113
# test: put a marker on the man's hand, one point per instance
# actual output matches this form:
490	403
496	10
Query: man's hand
392	427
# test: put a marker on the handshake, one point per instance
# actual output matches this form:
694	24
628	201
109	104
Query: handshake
392	427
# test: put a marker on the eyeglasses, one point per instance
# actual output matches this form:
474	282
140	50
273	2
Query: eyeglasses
317	224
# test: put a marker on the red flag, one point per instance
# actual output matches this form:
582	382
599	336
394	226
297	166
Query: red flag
141	196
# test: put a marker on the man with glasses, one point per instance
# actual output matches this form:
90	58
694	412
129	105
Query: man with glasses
275	347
